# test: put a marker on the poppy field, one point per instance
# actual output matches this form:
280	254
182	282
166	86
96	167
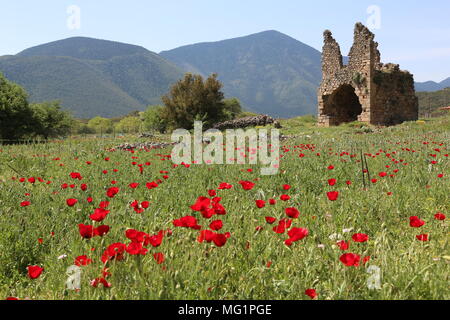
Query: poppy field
351	214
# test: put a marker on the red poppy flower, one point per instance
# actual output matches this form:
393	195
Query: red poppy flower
101	230
114	252
104	204
187	222
154	240
135	235
101	281
311	293
260	203
159	257
206	235
282	226
247	185
25	203
360	237
440	216
333	195
34	271
87	232
270	220
332	182
135	248
272	202
415	222
296	234
111	192
422	237
216	225
285	197
292	213
212	193
82	261
201	204
366	259
71	202
343	245
350	259
219	209
76	175
220	240
151	185
99	214
133	185
286	187
225	186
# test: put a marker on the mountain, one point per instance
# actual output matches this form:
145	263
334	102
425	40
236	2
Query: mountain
432	86
269	72
92	77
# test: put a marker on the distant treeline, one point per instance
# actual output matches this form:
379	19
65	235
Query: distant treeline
431	102
191	98
21	120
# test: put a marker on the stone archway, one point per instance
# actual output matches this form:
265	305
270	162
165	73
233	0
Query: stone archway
342	105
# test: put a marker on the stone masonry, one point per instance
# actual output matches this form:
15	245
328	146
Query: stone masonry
365	90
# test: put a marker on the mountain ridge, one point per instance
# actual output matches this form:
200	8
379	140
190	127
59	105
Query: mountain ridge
91	76
270	72
429	86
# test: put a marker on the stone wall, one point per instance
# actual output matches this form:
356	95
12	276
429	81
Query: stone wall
365	90
261	120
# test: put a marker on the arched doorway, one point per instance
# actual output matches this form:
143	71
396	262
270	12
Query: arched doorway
342	105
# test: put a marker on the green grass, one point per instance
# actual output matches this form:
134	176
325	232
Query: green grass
410	269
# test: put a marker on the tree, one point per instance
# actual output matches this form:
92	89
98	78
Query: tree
101	125
154	119
15	112
129	125
83	129
192	99
232	108
50	121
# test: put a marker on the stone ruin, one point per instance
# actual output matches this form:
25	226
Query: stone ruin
365	90
261	120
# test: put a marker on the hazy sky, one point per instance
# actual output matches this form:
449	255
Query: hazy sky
414	33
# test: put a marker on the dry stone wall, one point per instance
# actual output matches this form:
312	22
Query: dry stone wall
261	120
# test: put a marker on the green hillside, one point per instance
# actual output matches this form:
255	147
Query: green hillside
269	72
92	77
431	102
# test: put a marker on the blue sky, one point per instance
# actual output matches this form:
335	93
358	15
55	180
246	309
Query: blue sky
414	33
